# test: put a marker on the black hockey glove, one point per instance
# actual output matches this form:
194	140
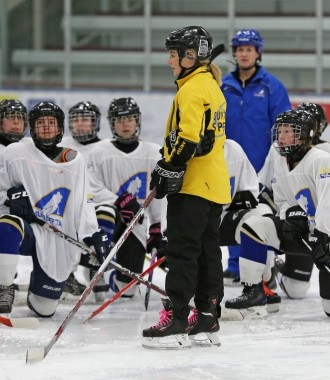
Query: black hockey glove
161	252
295	225
100	244
166	178
319	242
155	237
206	144
128	206
19	204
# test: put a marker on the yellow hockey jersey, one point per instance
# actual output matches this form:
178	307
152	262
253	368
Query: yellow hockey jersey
199	105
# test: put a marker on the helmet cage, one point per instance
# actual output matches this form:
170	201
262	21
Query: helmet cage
124	109
303	126
41	110
80	111
191	37
11	109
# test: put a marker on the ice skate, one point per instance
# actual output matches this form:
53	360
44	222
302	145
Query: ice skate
273	299
72	289
169	333
204	327
7	296
252	303
100	289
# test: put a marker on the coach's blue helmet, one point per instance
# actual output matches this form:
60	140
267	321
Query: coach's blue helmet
248	37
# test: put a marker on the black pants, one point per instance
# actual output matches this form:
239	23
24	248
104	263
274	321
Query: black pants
193	253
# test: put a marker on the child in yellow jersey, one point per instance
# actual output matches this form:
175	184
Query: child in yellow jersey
194	176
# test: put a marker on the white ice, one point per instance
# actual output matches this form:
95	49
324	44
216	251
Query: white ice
292	344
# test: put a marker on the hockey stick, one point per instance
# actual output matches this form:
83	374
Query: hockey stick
38	354
121	292
219	49
148	257
24	322
148	290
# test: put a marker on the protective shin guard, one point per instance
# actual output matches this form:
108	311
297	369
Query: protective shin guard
11	233
293	288
8	268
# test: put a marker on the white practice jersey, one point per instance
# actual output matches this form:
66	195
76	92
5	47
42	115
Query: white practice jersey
112	172
266	173
307	185
241	172
70	142
60	194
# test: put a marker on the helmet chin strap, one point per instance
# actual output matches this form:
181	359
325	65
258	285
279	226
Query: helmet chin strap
189	69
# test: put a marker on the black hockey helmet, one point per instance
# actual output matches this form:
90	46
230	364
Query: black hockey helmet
124	108
191	37
303	125
317	111
84	110
46	109
11	108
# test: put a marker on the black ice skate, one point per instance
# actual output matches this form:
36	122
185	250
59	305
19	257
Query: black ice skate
252	302
169	333
7	296
72	289
204	326
273	299
100	289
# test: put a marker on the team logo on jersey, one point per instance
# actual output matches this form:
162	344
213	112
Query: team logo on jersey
325	173
90	198
136	185
52	205
260	93
305	200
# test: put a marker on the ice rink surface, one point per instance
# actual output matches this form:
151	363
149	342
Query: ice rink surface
292	344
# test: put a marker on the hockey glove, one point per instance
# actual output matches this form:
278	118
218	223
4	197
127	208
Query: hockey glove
19	204
99	242
295	225
128	206
167	178
161	252
206	144
155	237
319	242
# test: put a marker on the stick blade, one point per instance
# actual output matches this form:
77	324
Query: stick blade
35	355
28	322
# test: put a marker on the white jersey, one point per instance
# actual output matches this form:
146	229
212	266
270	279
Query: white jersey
112	172
59	193
70	142
241	172
307	185
266	173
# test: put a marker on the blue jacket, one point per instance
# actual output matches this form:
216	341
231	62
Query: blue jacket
251	112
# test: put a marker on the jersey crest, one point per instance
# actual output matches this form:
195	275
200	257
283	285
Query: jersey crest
137	185
53	205
305	200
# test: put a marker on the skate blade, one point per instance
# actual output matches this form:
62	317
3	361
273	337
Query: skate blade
255	312
172	342
231	315
205	339
273	308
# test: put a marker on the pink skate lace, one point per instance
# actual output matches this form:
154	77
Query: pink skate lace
193	318
165	318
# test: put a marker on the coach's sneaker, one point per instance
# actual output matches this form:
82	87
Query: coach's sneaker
203	326
252	302
7	296
168	333
273	299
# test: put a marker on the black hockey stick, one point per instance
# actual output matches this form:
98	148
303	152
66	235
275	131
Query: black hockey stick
38	354
219	49
148	290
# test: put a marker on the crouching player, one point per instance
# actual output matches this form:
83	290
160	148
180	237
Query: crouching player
54	181
301	188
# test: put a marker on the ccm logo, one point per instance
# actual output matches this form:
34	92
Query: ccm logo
20	194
